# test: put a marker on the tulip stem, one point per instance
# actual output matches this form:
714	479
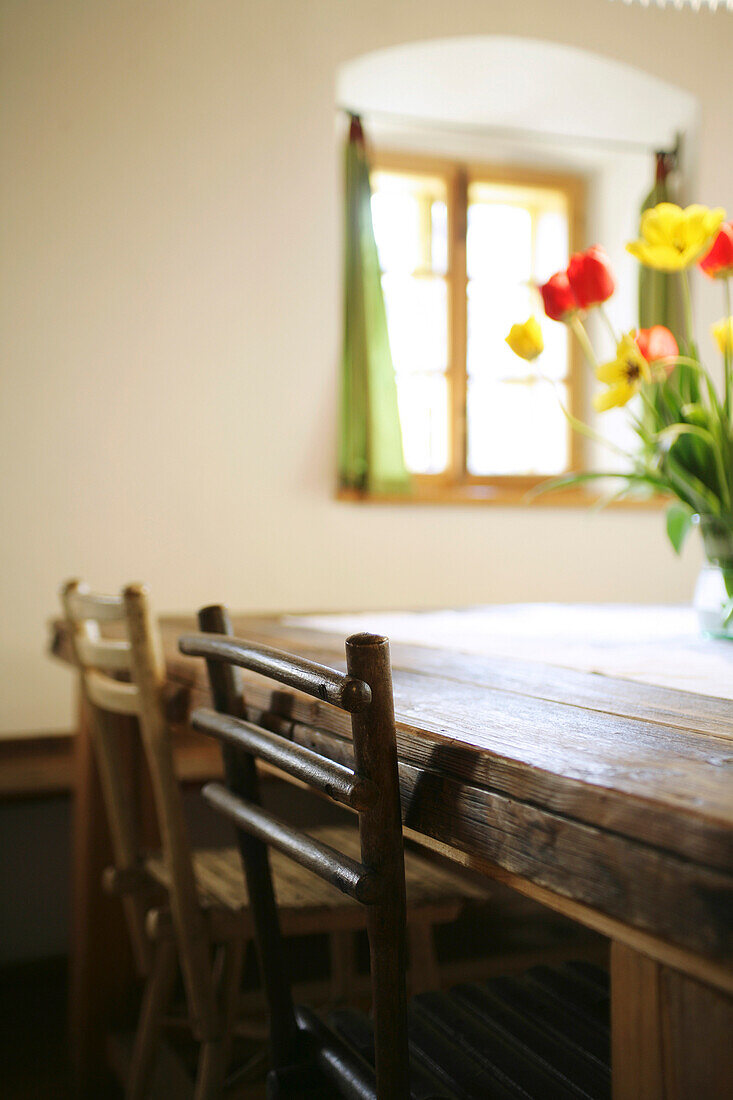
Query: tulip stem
607	322
727	347
687	299
585	429
582	337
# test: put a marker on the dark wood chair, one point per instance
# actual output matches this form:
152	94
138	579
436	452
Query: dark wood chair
544	1034
188	908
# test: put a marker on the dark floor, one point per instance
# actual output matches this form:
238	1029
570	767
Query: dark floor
34	1061
508	934
33	996
33	1048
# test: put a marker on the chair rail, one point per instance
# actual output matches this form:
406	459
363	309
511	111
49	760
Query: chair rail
112	695
107	654
82	604
343	691
346	874
334	779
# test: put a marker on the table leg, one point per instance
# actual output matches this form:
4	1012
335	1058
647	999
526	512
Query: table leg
672	1036
101	969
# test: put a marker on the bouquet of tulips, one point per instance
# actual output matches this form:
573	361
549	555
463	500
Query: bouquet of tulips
683	421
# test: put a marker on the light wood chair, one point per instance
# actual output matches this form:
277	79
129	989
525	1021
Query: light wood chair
543	1035
204	920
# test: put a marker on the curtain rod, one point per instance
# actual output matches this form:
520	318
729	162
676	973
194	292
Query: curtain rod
515	133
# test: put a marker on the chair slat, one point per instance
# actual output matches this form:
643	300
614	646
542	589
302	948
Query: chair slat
553	1046
498	1050
112	695
573	990
346	874
81	604
356	1029
346	692
335	780
553	1015
339	1062
463	1075
107	654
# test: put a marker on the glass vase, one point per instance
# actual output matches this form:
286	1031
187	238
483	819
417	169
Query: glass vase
713	599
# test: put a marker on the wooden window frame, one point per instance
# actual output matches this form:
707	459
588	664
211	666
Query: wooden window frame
456	484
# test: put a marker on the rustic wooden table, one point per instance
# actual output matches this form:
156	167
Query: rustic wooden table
553	749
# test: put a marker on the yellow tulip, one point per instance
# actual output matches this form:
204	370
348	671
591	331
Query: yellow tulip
526	340
673	238
623	375
723	333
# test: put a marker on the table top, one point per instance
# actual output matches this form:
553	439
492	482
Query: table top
659	645
527	737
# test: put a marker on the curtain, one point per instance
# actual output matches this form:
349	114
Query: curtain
660	300
659	293
371	457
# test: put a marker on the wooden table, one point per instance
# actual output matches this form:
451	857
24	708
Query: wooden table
602	796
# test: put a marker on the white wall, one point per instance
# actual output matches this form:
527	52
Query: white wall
170	326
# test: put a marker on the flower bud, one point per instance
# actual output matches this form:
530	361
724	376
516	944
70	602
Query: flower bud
557	297
723	334
590	277
718	263
657	343
526	340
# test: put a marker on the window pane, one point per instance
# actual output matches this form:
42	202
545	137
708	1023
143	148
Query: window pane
499	242
423	400
409	215
417	318
396	218
439	237
489	307
517	235
491	312
554	362
515	428
551	244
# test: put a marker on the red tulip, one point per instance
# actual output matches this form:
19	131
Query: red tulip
557	297
591	277
657	343
718	263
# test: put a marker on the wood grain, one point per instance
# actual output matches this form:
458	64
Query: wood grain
669	783
654	891
615	795
671	1035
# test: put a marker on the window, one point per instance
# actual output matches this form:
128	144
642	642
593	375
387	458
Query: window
459	247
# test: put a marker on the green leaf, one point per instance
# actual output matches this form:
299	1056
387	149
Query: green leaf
679	521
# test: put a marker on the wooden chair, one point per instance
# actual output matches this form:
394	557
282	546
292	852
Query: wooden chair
203	921
543	1035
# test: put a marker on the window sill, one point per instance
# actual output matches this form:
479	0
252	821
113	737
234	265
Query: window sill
508	495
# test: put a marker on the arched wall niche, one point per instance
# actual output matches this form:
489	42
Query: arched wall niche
502	82
511	100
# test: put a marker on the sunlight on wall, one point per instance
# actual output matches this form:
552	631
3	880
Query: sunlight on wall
171	310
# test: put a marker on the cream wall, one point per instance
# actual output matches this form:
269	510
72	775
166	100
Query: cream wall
170	250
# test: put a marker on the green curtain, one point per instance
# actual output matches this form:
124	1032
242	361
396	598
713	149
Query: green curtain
660	301
370	443
659	293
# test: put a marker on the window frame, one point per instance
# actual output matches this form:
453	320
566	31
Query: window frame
456	483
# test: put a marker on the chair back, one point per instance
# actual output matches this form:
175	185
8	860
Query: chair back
138	657
371	788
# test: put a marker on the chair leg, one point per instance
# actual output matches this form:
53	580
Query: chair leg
231	984
343	966
156	998
424	972
210	1073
